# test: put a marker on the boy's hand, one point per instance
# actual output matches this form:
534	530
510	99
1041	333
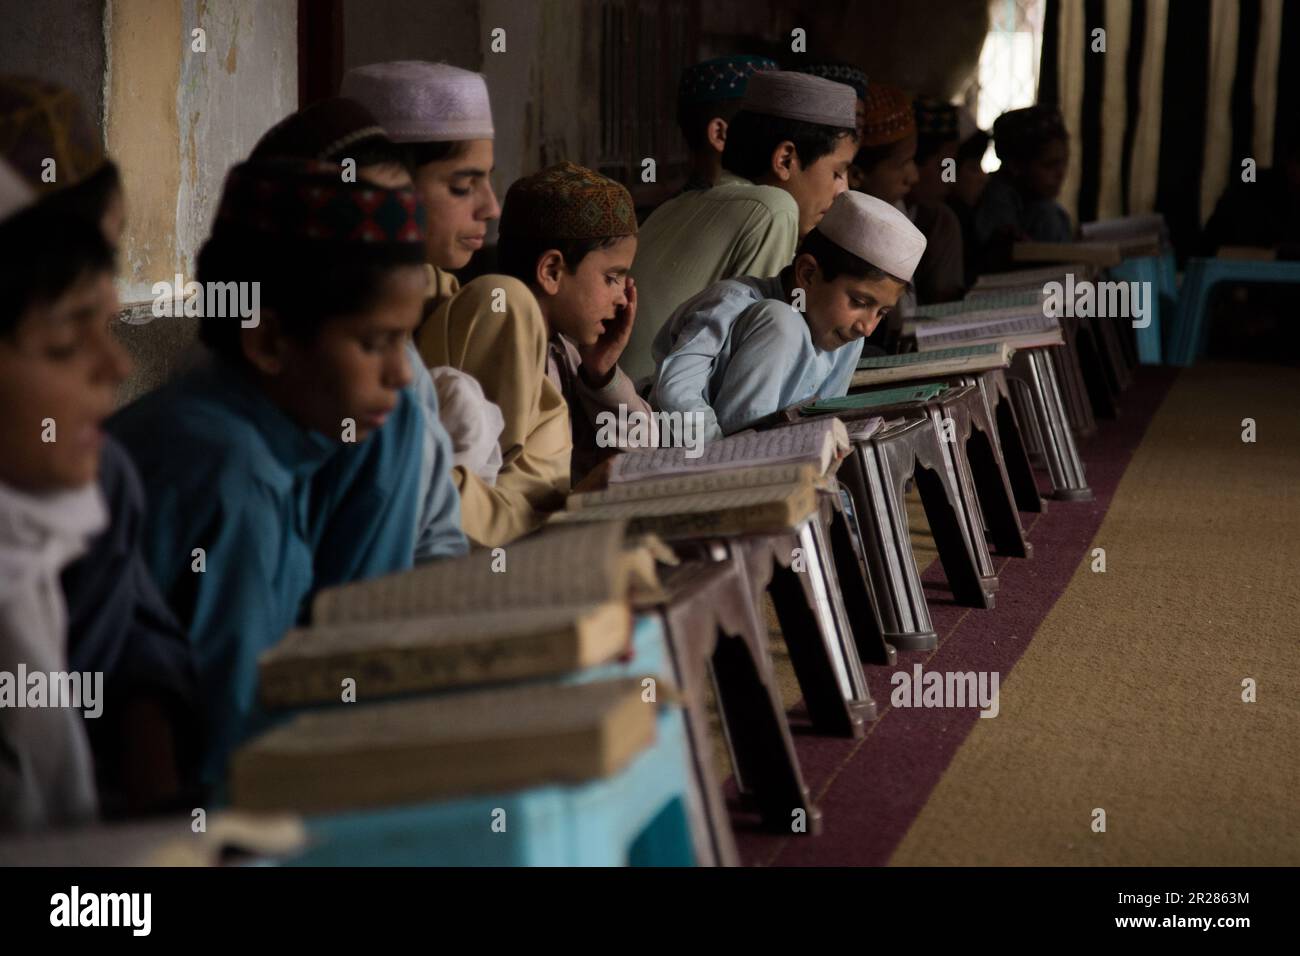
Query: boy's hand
601	358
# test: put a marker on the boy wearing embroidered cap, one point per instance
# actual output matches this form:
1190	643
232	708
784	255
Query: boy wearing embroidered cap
570	235
441	119
335	130
785	160
740	350
708	98
229	451
886	158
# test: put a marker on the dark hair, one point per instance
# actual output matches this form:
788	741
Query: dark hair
415	155
1021	135
693	119
518	257
974	148
834	260
927	146
88	199
752	137
305	284
45	253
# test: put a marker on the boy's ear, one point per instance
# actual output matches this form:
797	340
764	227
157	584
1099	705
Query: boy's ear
263	345
716	133
550	266
784	158
805	270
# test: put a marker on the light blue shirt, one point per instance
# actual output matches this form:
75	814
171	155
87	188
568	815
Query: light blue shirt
738	352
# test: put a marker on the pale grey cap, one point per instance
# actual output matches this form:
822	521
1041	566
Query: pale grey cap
875	232
801	96
419	102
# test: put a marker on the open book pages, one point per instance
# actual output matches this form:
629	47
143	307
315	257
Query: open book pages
820	443
169	842
753	509
443	745
978	300
460	649
575	566
676	486
911	366
1025	327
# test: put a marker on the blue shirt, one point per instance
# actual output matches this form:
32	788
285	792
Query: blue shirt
226	470
738	352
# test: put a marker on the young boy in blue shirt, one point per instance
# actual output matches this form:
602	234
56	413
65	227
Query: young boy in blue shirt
745	348
240	533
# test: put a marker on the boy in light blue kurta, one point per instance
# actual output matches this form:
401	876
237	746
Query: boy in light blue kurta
241	529
745	348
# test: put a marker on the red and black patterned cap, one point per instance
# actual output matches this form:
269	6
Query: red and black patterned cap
889	116
307	201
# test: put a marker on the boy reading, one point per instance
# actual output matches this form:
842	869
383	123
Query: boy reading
570	236
786	158
441	120
229	452
745	348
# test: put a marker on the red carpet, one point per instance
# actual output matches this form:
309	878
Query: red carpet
870	790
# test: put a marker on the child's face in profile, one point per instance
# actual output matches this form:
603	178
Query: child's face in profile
356	366
893	177
59	372
1043	175
814	187
458	201
592	297
844	309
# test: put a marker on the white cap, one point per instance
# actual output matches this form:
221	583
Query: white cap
875	232
419	102
14	191
801	96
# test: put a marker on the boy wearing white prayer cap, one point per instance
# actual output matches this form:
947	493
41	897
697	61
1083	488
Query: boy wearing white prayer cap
786	157
492	329
742	349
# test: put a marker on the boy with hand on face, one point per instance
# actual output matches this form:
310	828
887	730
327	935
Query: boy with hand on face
570	236
745	348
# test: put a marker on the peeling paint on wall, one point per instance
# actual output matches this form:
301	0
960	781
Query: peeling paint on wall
178	119
142	129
